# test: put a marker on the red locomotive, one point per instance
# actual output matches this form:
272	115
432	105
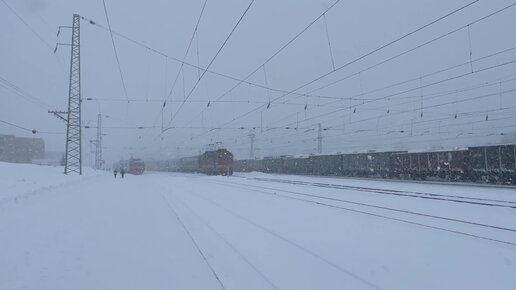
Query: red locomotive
133	165
136	166
217	162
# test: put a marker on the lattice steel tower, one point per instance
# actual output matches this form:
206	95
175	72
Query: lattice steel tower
73	129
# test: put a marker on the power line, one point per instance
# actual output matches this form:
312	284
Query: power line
114	48
419	46
33	131
38	36
360	58
358	96
432	96
413	89
288	43
22	93
185	55
421	77
390	86
18	126
211	62
185	63
426	132
27	25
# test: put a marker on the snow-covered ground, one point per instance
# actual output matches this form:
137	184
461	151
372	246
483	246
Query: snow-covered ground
250	231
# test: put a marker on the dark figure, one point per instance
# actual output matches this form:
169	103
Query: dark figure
122	172
115	172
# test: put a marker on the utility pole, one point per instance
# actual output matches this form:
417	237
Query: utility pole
251	137
73	155
98	144
319	139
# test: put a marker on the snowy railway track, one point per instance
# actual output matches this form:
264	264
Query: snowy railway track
307	197
361	280
219	236
403	193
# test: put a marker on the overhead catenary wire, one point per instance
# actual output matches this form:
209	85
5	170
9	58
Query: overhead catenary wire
418	78
212	61
33	131
270	58
381	133
427	97
16	126
188	64
419	46
32	30
470	62
27	25
396	138
376	137
426	107
22	93
426	75
361	58
115	50
417	88
329	42
297	94
181	68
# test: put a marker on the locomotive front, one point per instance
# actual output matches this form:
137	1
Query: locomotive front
224	162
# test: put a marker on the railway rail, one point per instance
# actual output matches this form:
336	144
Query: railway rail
332	202
404	193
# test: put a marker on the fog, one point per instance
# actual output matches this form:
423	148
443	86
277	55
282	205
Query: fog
449	84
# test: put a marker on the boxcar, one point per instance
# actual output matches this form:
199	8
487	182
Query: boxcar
326	164
297	165
188	164
448	165
249	165
492	164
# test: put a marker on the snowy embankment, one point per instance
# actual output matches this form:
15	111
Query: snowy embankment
18	181
251	231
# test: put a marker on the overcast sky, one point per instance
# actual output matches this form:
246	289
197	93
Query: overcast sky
455	91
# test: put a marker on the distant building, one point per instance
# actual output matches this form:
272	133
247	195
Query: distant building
50	158
21	149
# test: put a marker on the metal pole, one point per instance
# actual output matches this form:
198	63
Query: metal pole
251	136
98	143
319	139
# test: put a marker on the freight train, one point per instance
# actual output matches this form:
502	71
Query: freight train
216	162
486	164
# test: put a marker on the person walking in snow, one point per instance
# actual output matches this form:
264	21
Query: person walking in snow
115	172
122	172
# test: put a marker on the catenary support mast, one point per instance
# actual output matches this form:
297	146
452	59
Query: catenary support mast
73	157
98	144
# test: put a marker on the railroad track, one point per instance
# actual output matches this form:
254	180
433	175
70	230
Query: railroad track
331	202
394	192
